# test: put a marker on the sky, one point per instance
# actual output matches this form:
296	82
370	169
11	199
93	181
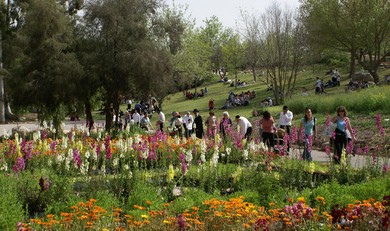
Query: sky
228	11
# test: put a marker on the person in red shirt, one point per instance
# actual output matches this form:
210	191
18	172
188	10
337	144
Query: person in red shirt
268	127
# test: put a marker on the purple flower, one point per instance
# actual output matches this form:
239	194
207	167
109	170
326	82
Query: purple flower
44	184
385	168
309	143
19	165
349	148
181	222
76	157
98	150
366	150
294	135
302	135
327	150
183	164
108	148
53	146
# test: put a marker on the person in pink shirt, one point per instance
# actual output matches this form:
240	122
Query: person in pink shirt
268	127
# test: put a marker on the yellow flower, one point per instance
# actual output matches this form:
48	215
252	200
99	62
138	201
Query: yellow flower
311	167
167	222
171	173
342	158
143	216
301	199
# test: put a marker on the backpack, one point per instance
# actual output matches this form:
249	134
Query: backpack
314	126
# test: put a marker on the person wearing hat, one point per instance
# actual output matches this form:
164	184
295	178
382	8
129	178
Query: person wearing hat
245	126
198	124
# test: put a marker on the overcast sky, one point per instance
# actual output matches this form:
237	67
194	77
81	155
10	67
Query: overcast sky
228	11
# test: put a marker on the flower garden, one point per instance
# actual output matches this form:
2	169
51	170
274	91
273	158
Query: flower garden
131	180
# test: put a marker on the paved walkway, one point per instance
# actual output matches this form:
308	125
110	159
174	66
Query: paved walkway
357	161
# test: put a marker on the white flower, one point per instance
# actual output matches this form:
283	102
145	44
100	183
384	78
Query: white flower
228	151
245	154
103	169
188	156
4	167
120	145
145	154
59	158
126	167
203	157
94	154
87	155
115	162
6	135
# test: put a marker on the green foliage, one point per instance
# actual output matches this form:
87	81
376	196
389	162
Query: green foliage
38	191
11	210
343	195
374	99
334	59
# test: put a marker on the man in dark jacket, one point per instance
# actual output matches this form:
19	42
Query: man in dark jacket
198	124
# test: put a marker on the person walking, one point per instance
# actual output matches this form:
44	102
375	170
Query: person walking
225	124
268	128
343	126
160	120
145	122
285	120
245	127
308	123
186	124
211	124
198	124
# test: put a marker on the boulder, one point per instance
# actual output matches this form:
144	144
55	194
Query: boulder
362	77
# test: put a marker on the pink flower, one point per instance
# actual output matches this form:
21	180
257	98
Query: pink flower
327	150
309	143
181	222
76	157
294	135
108	148
385	168
366	150
19	165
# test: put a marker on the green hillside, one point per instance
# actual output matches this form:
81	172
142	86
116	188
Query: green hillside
306	78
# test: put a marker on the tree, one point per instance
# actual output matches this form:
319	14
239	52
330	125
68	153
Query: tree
233	55
45	69
282	49
359	27
131	55
251	36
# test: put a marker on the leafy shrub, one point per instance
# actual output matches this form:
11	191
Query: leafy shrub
11	211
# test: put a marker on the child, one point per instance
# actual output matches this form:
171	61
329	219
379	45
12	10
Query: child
189	127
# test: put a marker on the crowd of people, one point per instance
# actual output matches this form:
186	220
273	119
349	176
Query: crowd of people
271	134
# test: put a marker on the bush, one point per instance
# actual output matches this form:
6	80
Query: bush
11	211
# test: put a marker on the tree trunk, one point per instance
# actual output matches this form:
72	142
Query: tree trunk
254	73
2	95
109	114
88	114
116	111
352	64
375	75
